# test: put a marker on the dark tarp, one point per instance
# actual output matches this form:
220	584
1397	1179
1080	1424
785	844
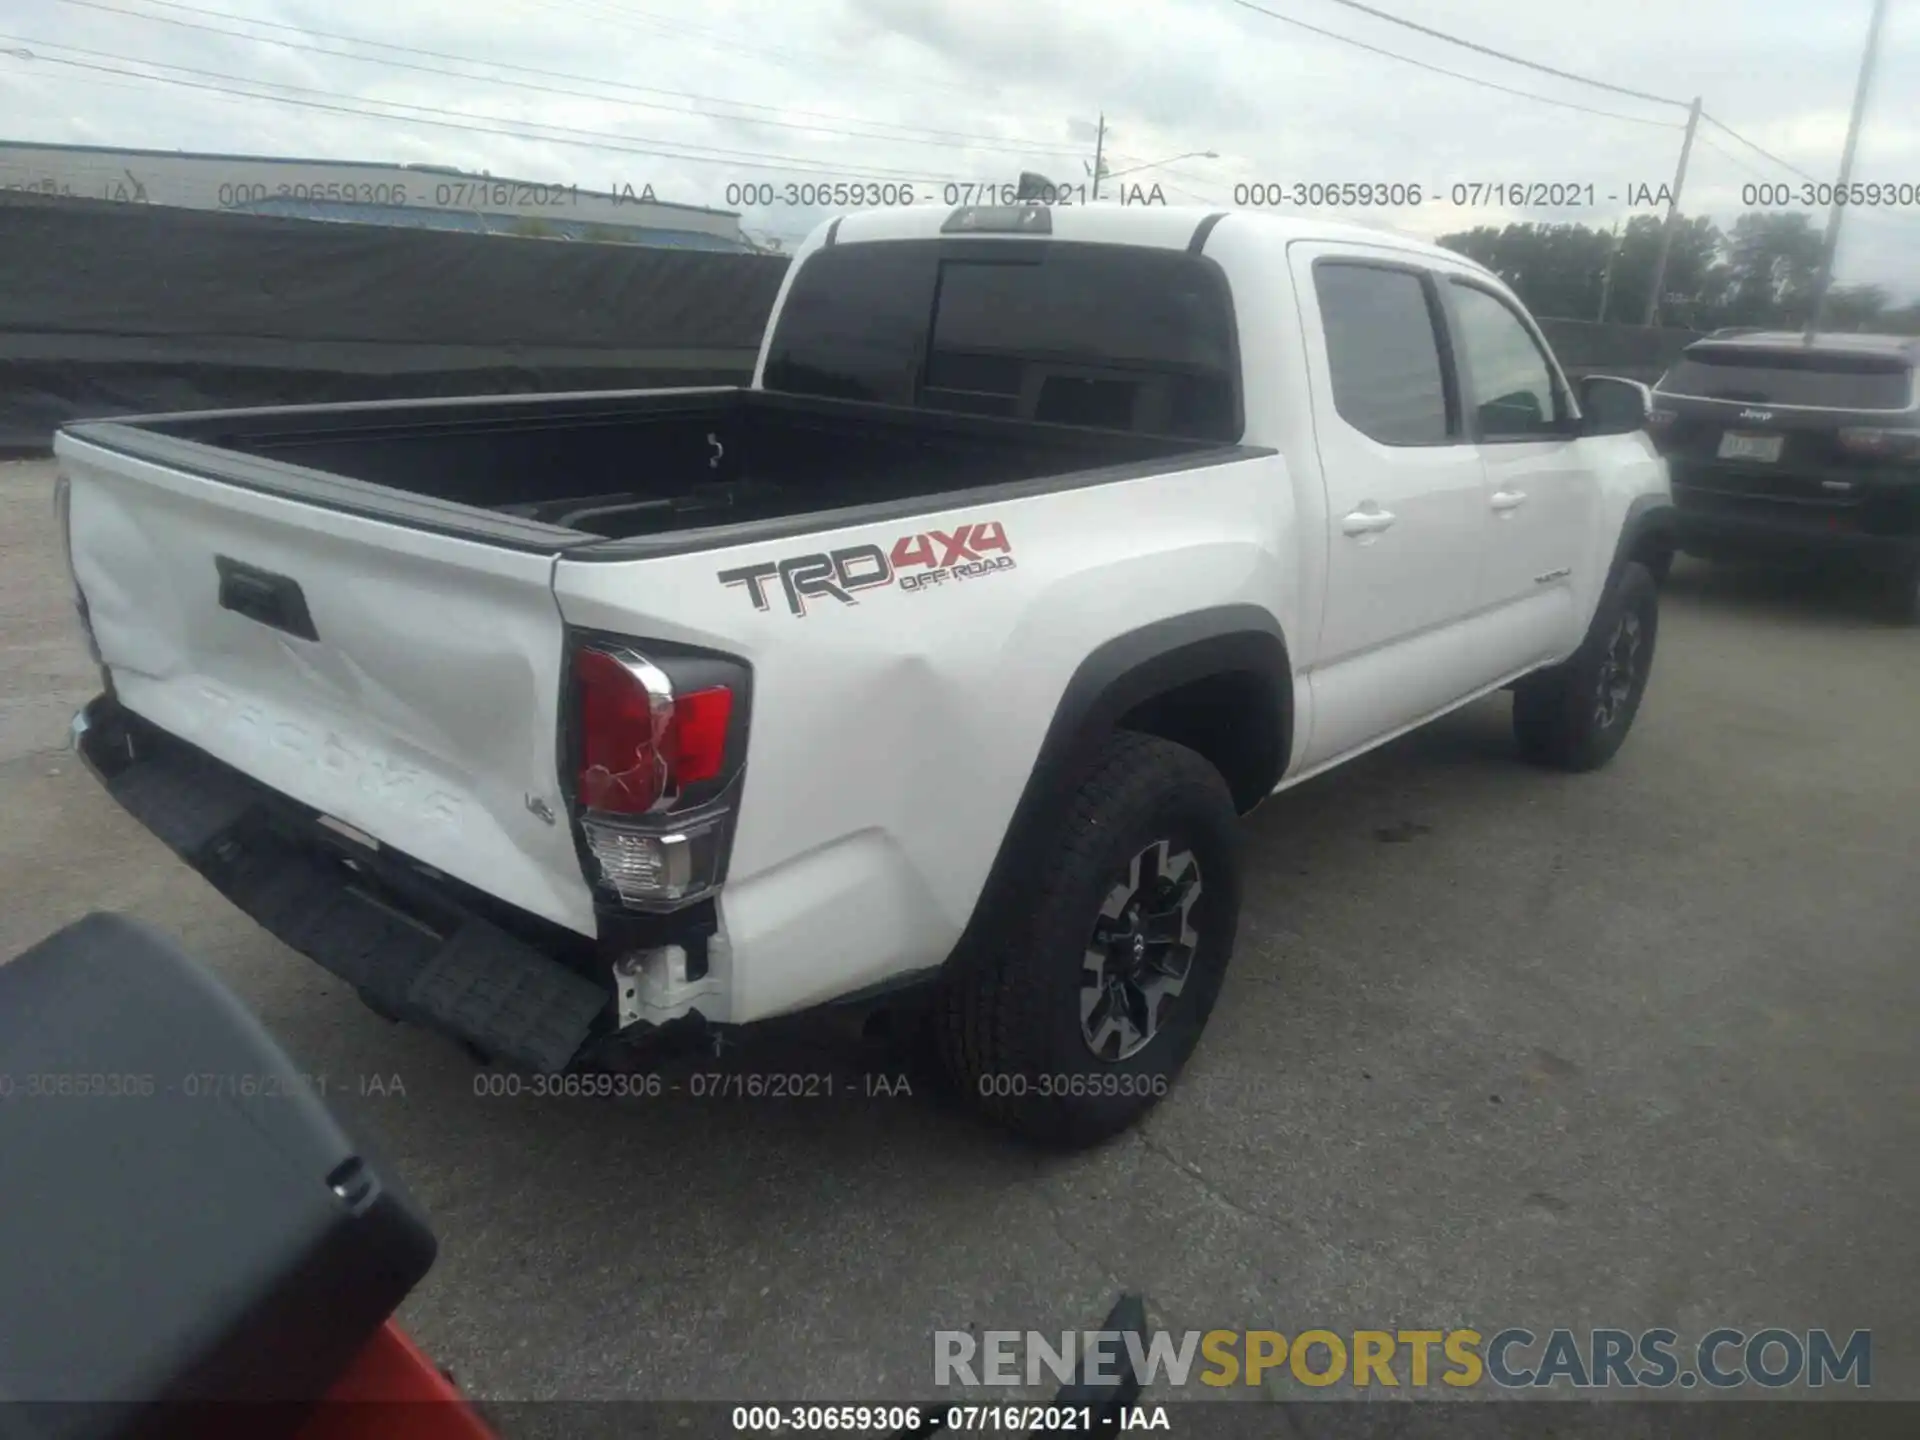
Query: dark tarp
117	309
113	309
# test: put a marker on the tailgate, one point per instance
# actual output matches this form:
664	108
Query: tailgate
403	682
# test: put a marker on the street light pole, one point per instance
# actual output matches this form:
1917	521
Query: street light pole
1830	242
1673	216
1099	152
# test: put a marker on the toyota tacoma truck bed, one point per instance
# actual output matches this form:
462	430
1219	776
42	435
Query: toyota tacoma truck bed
937	663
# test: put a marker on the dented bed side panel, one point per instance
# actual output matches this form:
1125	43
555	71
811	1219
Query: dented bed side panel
905	672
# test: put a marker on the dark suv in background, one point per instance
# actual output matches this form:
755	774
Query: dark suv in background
1784	446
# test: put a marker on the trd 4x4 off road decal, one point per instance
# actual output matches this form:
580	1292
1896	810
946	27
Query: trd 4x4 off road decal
915	562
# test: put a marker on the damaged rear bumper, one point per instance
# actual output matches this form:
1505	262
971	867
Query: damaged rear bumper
415	944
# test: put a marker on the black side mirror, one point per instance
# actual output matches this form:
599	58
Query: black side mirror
1612	406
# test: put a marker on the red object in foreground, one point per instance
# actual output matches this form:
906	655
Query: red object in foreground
394	1392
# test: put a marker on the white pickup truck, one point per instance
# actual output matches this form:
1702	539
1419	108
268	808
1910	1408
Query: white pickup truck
937	663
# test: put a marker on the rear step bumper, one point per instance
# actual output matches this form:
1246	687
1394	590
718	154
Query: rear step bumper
411	947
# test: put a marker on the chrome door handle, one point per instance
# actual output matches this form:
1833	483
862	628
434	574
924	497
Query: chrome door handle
1367	521
1505	500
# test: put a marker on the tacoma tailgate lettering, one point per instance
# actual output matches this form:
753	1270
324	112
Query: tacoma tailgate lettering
396	785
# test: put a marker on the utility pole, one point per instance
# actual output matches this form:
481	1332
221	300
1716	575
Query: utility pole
1830	242
1673	215
1099	152
1606	278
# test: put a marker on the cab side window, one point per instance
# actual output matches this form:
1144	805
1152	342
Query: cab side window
1383	350
1513	383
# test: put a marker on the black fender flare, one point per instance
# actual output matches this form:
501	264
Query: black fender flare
1648	517
1115	679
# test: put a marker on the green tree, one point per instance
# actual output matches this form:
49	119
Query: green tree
1560	270
1759	273
1904	321
1555	269
1856	307
1692	278
1482	244
1772	258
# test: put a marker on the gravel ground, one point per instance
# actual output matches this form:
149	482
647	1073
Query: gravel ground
1498	1048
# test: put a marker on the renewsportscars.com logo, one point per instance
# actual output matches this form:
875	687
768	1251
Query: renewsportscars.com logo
913	562
1513	1359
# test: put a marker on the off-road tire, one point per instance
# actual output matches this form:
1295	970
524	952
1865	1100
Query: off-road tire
1573	717
1008	1020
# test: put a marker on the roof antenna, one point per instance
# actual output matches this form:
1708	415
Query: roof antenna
1035	189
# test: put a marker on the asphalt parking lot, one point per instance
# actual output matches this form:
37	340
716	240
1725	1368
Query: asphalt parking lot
1499	1047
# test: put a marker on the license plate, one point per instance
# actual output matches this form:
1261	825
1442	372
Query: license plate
1734	445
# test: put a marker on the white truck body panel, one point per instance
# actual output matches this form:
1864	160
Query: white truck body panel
899	731
891	737
425	716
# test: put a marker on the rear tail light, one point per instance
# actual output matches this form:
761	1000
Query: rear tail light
643	745
653	870
1872	442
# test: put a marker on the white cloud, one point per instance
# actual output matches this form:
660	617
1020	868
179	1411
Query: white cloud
980	89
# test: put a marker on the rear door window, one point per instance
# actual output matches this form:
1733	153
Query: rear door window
1810	378
1383	352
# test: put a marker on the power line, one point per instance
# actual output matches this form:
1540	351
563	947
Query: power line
28	77
1535	65
1858	212
1455	74
1732	158
907	134
645	22
1503	55
595	139
1784	165
1168	170
941	137
1360	6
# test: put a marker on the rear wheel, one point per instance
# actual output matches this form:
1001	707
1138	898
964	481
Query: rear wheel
1576	716
1079	1006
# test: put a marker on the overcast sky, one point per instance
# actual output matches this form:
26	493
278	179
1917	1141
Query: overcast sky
694	97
